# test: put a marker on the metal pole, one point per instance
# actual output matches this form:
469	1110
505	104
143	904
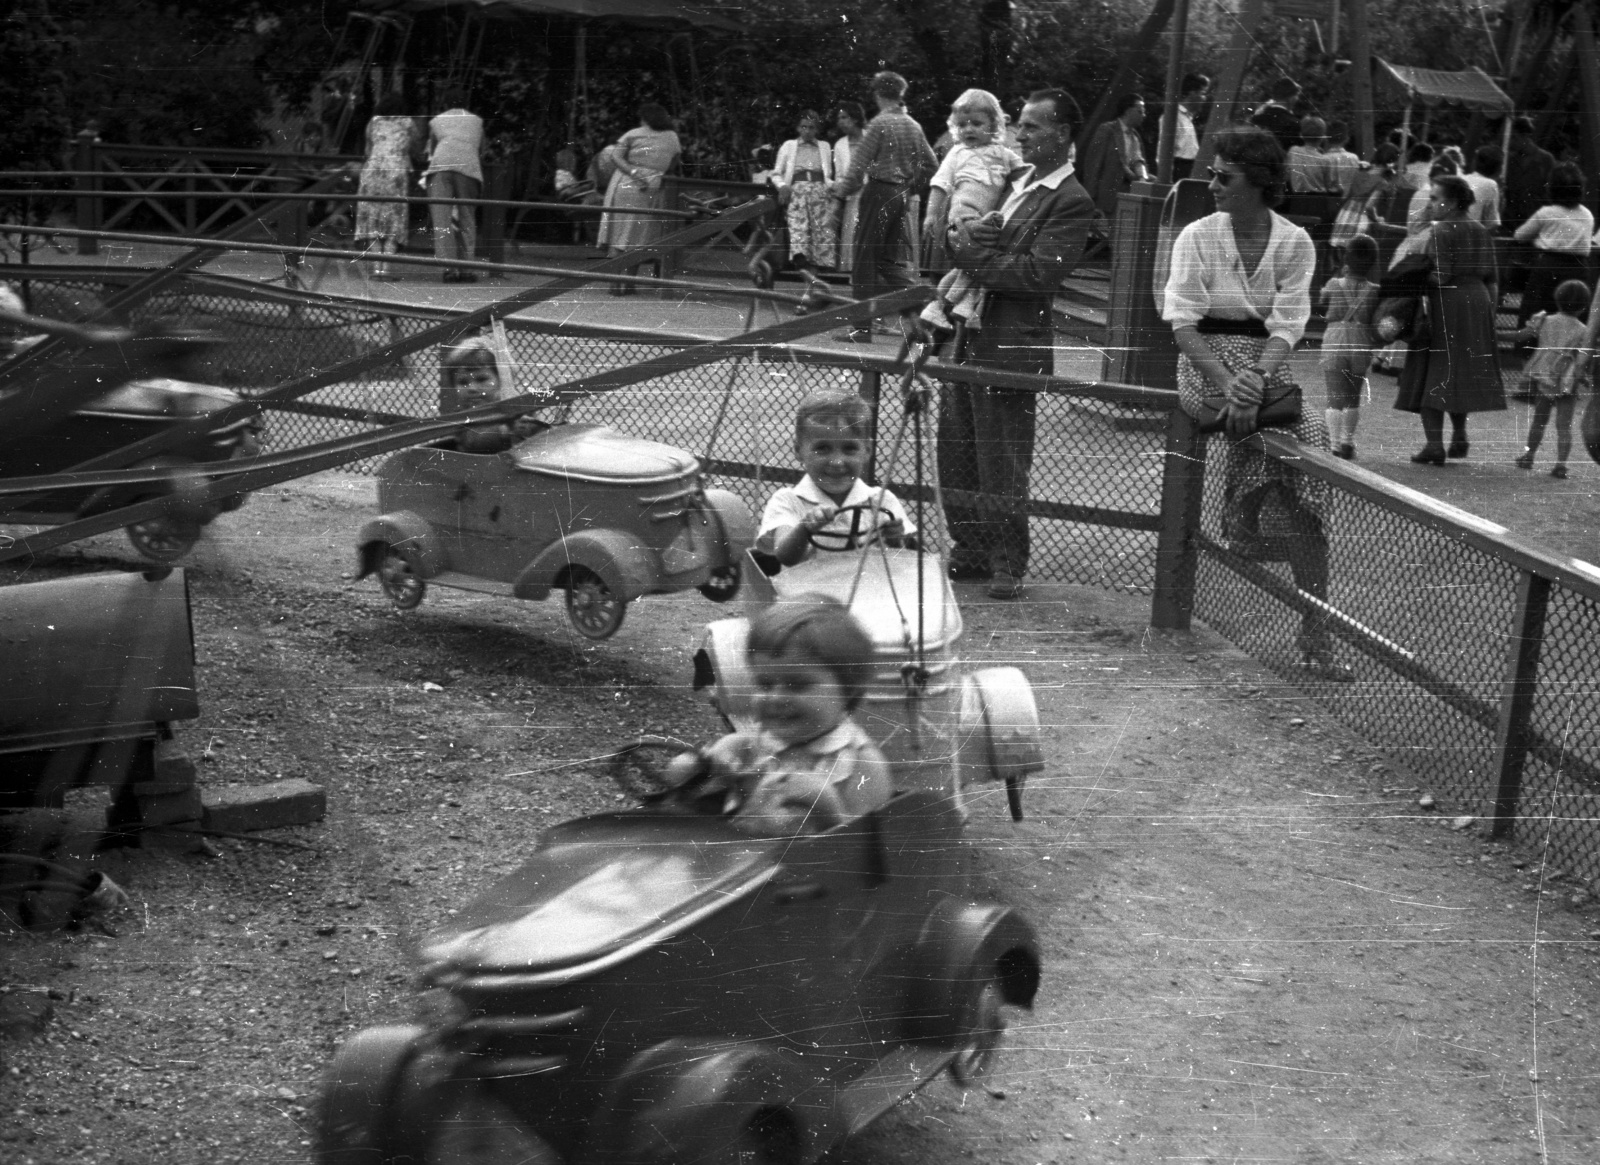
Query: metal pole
1169	111
1361	79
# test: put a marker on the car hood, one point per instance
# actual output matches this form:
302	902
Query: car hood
597	885
162	396
597	453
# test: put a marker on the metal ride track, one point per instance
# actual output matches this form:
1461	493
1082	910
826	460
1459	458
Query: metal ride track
33	406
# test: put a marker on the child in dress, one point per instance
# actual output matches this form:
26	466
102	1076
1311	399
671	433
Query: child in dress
831	504
805	169
810	767
1348	299
1553	373
970	184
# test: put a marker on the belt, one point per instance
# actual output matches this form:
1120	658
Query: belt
808	176
887	181
1214	326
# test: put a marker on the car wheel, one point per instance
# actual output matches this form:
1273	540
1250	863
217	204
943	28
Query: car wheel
984	1032
472	1128
355	1111
723	585
594	608
165	537
400	578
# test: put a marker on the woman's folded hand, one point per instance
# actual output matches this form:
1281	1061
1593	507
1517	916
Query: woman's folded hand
1246	389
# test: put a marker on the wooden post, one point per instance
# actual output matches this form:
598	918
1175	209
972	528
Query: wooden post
1361	79
85	158
1183	475
1522	674
1166	139
1234	61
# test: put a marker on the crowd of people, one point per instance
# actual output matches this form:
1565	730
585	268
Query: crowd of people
1010	211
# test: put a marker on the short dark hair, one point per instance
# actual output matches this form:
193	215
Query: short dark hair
1338	132
1064	105
834	406
1487	160
1566	185
854	111
888	85
1420	152
453	98
1386	155
1455	189
655	115
1285	89
1312	129
1361	255
1259	156
809	115
1194	82
823	628
389	105
1126	102
1572	296
1443	167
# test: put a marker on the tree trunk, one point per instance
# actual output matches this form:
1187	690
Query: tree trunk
928	34
994	39
1127	68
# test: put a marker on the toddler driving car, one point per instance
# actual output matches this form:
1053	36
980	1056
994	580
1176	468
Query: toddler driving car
469	376
831	507
810	766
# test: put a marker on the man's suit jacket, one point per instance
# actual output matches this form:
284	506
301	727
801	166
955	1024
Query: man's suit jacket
1035	251
1105	168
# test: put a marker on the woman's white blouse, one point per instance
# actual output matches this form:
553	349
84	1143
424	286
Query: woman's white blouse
1208	278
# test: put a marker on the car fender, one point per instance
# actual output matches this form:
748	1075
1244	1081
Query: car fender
998	727
182	493
722	672
627	568
686	1099
962	947
737	526
404	529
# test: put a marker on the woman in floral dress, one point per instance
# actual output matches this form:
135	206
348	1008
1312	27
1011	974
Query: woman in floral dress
382	225
804	168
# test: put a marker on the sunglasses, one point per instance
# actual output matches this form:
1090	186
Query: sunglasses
1222	177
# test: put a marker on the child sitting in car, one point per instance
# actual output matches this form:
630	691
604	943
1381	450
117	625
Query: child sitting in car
831	506
469	376
811	766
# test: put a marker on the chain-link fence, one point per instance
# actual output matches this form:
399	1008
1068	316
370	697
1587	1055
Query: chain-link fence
1473	659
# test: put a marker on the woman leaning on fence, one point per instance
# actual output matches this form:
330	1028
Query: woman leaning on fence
1238	299
381	225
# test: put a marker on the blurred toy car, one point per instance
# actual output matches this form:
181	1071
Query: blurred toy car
132	412
580	508
659	989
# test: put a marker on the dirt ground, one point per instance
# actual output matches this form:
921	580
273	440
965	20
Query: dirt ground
1258	947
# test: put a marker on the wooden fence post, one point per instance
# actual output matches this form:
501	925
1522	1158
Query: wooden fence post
1183	476
1522	674
84	157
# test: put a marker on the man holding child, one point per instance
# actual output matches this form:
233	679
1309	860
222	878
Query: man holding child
986	432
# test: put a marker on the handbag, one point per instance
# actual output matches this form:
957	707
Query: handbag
1279	409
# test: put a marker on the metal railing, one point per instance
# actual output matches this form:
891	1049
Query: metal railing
1474	654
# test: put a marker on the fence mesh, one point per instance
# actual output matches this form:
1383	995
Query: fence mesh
1424	618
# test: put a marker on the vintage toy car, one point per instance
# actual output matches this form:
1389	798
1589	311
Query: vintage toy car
659	989
130	413
579	508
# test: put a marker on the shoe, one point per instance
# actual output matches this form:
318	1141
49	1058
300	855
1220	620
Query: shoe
1429	455
853	336
1005	586
970	572
1458	448
1559	473
1317	662
1524	460
1345	452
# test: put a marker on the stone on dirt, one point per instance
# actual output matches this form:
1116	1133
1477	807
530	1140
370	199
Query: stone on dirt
242	808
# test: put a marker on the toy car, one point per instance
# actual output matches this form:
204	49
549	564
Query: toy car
581	508
661	989
130	413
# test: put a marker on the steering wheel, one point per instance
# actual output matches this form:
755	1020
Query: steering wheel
854	538
644	769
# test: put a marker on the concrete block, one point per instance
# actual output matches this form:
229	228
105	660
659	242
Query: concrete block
172	763
167	808
242	808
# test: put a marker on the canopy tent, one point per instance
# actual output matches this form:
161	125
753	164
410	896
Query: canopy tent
1473	89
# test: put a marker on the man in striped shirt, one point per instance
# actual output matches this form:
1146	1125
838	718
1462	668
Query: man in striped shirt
892	159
